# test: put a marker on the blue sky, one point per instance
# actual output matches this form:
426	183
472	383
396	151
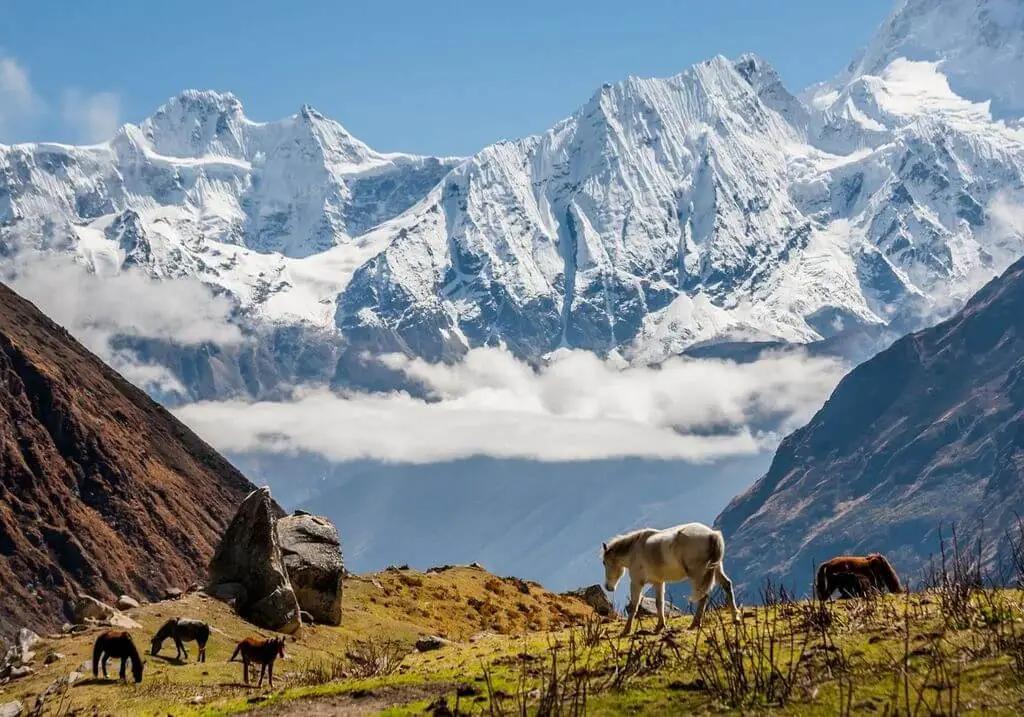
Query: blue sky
440	77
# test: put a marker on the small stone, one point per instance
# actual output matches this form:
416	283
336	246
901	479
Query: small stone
11	709
173	593
428	643
197	700
20	671
52	657
126	602
119	619
75	676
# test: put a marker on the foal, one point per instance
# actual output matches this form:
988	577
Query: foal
182	630
262	652
686	552
116	643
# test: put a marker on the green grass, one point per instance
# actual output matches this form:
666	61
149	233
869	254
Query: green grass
896	654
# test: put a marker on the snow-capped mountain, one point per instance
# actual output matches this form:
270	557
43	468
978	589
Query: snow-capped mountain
709	207
200	190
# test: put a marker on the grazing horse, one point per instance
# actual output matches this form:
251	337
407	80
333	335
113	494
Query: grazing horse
116	643
686	552
875	570
262	652
182	630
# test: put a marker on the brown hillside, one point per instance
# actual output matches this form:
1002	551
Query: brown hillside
101	489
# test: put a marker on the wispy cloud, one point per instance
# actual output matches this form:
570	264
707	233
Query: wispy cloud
99	309
18	100
576	407
93	117
85	116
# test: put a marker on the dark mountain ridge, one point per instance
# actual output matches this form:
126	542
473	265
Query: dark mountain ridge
928	433
101	489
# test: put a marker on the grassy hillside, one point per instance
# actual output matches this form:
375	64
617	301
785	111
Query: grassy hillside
516	648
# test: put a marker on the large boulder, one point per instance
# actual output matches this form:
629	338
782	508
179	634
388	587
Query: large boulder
311	550
87	607
250	554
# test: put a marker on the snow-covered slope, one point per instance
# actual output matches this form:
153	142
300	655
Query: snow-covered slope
709	207
268	212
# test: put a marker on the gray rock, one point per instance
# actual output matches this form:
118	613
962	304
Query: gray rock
20	671
648	607
27	639
126	602
250	553
311	551
52	657
595	596
173	593
11	709
428	643
228	592
88	607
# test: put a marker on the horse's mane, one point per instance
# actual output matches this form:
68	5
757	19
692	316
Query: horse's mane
165	630
623	543
884	570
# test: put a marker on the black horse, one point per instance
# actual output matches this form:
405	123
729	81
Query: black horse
116	643
182	630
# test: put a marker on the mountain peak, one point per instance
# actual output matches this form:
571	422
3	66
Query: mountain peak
196	123
979	47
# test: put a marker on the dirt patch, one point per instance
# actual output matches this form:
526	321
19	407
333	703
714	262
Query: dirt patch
364	702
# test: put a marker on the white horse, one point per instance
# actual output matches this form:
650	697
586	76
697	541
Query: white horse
686	552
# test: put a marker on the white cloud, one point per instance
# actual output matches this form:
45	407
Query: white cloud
96	310
18	100
578	407
92	117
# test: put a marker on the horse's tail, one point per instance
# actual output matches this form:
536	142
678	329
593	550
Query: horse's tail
821	582
716	552
235	653
97	653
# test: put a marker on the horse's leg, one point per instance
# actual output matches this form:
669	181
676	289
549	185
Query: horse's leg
635	590
263	671
270	673
202	651
106	656
181	647
245	670
698	616
726	584
124	663
659	598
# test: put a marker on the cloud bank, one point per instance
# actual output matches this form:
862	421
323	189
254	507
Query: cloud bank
96	310
576	407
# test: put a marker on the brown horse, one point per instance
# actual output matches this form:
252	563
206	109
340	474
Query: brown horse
262	652
874	569
116	643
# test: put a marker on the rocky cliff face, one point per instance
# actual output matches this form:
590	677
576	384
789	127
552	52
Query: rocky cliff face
925	434
101	489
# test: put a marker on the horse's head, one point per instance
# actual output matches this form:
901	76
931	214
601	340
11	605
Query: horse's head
613	568
155	644
137	666
884	571
279	647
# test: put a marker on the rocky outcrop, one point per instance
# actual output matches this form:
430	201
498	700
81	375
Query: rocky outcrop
595	597
250	555
102	491
311	550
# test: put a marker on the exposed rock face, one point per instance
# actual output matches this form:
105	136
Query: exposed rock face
102	491
311	550
595	596
250	554
928	432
